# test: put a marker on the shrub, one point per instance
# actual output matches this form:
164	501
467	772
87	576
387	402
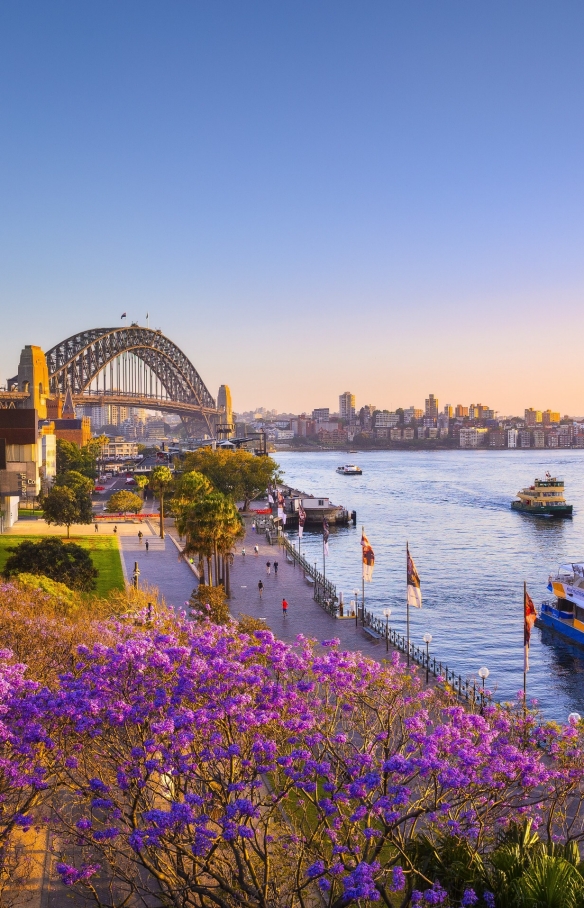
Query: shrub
67	562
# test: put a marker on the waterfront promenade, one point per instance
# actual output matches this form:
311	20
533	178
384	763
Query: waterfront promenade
305	616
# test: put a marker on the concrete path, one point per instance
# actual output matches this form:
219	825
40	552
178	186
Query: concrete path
305	616
159	566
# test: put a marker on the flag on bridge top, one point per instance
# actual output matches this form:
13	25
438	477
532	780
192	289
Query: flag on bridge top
325	535
123	315
529	617
414	591
301	520
368	558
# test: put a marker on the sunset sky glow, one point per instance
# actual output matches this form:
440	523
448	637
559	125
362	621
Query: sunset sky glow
307	198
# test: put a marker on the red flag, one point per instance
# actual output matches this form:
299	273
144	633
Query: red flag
529	615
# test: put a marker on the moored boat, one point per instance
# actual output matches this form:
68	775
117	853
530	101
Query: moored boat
545	498
565	613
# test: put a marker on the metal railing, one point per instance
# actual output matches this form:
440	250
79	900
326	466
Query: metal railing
325	592
465	689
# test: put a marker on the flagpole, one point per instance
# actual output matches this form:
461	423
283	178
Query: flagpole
363	580
323	563
524	649
407	604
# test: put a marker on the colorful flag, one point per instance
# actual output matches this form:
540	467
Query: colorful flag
301	520
529	616
123	315
414	591
325	535
368	559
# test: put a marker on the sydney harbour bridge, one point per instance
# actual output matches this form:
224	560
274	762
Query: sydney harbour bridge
130	367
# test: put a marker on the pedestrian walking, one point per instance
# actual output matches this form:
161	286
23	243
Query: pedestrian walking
256	550
268	567
146	545
284	607
260	588
140	535
253	526
243	552
276	568
96	528
115	529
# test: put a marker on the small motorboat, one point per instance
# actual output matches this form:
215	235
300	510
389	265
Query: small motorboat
349	469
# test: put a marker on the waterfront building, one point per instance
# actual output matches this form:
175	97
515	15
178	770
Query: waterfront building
431	407
386	420
552	439
395	434
321	414
432	432
472	437
497	438
421	432
408	434
334	437
460	412
347	405
538	438
550	418
524	438
533	417
512	438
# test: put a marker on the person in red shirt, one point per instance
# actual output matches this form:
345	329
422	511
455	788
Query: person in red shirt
284	607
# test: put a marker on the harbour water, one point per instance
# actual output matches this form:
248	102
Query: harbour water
471	551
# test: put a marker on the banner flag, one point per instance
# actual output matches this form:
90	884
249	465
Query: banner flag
301	520
414	591
529	617
123	315
325	535
368	559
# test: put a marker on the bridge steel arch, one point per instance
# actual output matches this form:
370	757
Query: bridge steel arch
77	361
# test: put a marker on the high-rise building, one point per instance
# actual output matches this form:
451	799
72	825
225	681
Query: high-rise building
448	411
532	417
460	412
431	410
321	414
548	417
346	405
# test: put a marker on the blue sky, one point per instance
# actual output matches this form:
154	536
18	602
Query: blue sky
307	197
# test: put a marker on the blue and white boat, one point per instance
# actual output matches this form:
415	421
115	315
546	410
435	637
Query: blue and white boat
565	613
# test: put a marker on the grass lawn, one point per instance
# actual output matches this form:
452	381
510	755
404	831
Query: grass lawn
104	554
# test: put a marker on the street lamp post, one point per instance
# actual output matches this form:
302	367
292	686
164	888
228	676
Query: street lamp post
135	575
483	675
387	613
427	638
356	594
574	718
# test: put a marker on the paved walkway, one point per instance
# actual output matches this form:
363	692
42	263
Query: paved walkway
305	616
159	566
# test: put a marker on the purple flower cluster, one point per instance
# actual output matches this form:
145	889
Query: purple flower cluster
190	750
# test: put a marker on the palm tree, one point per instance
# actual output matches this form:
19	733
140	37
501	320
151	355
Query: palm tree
212	525
161	481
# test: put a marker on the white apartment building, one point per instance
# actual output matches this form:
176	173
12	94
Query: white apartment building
473	437
386	420
512	438
346	405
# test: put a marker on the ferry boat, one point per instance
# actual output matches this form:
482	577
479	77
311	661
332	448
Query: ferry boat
349	469
545	498
565	613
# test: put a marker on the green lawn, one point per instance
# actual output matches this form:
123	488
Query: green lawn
104	554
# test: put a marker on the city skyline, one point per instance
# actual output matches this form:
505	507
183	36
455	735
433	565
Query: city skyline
400	187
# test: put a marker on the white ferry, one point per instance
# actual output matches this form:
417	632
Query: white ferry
565	613
349	469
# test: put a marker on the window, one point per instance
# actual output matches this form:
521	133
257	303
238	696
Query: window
320	502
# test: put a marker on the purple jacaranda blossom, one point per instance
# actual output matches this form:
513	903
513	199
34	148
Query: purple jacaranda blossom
469	898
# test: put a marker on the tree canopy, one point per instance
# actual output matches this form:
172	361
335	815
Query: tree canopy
236	473
67	563
123	502
71	457
65	505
